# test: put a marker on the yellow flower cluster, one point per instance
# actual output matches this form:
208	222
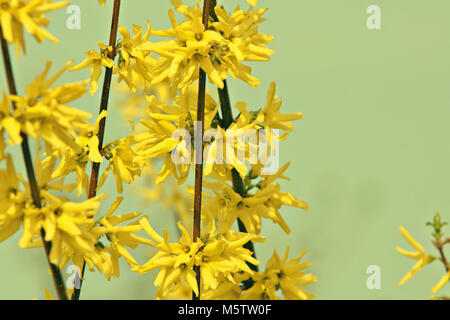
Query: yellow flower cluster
70	226
15	15
218	50
422	258
280	274
165	73
217	255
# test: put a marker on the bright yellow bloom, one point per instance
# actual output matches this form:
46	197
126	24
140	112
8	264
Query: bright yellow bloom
43	112
97	60
9	122
17	14
271	118
71	161
227	205
280	274
124	162
89	138
442	282
163	120
12	200
119	237
216	255
217	52
420	255
134	65
66	225
102	2
264	288
290	276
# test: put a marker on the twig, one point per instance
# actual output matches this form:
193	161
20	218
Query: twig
440	246
101	131
238	184
34	188
199	150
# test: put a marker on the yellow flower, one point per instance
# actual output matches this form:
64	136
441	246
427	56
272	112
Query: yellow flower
119	237
43	112
264	288
97	60
124	162
66	224
420	255
71	161
442	282
12	200
289	275
102	2
216	255
9	122
89	138
17	14
134	65
253	2
227	205
271	118
217	52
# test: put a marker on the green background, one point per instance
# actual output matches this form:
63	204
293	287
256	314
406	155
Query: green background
370	154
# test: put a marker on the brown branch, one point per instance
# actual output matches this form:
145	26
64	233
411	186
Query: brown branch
207	6
440	246
34	188
101	131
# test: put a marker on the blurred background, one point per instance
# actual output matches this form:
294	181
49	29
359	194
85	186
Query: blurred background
370	154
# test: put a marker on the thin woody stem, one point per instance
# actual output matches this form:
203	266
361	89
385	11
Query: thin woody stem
207	6
440	246
101	131
238	184
34	188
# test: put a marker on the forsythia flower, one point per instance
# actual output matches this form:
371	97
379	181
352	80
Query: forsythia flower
9	123
119	237
442	282
220	254
218	53
280	274
66	224
12	200
124	162
43	111
89	138
227	205
161	127
97	60
71	161
134	65
270	117
420	255
16	14
290	276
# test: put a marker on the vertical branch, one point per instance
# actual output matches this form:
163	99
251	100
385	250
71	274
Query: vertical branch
207	6
238	184
101	131
440	247
34	188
